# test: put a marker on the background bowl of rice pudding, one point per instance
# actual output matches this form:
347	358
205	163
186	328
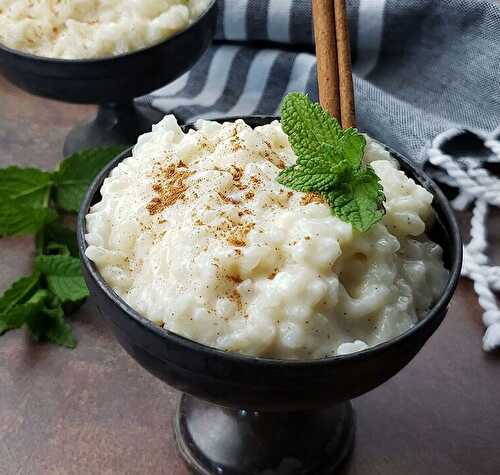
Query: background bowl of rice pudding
112	81
236	409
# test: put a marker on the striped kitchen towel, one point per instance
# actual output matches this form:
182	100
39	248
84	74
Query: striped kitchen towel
427	77
421	66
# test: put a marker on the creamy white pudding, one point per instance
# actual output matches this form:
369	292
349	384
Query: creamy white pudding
80	29
194	233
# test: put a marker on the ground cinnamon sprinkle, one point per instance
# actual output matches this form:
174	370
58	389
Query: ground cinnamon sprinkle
169	187
309	198
236	241
235	144
235	297
236	172
234	278
170	171
227	199
280	164
238	234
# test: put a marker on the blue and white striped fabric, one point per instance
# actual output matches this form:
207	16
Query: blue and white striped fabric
421	66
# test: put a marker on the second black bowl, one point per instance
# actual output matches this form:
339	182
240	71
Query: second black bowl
113	79
111	82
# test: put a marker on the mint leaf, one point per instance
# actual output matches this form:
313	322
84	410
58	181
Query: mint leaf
23	313
28	186
64	277
56	249
307	125
35	320
330	162
56	234
313	132
57	329
14	318
313	175
77	172
45	320
358	201
18	219
349	147
20	291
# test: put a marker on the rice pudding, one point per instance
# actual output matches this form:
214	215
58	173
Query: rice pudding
82	29
194	232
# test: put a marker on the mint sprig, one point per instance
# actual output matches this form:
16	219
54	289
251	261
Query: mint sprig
330	163
38	202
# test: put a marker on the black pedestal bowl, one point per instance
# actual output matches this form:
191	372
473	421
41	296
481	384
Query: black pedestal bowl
111	82
241	415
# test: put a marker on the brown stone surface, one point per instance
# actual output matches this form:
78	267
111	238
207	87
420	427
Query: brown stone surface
95	411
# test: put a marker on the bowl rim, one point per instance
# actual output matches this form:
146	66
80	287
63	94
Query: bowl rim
94	61
450	223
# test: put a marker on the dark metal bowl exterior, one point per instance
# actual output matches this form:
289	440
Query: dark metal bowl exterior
235	380
113	79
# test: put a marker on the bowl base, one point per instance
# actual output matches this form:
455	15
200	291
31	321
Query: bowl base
115	124
217	441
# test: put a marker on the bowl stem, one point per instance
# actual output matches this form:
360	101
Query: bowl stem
219	441
115	124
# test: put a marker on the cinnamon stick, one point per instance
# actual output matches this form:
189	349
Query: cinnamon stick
346	90
326	54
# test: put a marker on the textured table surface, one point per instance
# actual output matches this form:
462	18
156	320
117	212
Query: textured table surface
95	411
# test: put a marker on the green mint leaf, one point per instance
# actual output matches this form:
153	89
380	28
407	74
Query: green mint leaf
18	219
27	313
359	201
324	151
308	126
64	277
330	162
19	292
349	147
57	330
19	315
313	132
45	321
313	175
56	249
54	235
14	318
28	186
77	172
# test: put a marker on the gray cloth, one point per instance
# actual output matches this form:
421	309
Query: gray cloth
421	66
